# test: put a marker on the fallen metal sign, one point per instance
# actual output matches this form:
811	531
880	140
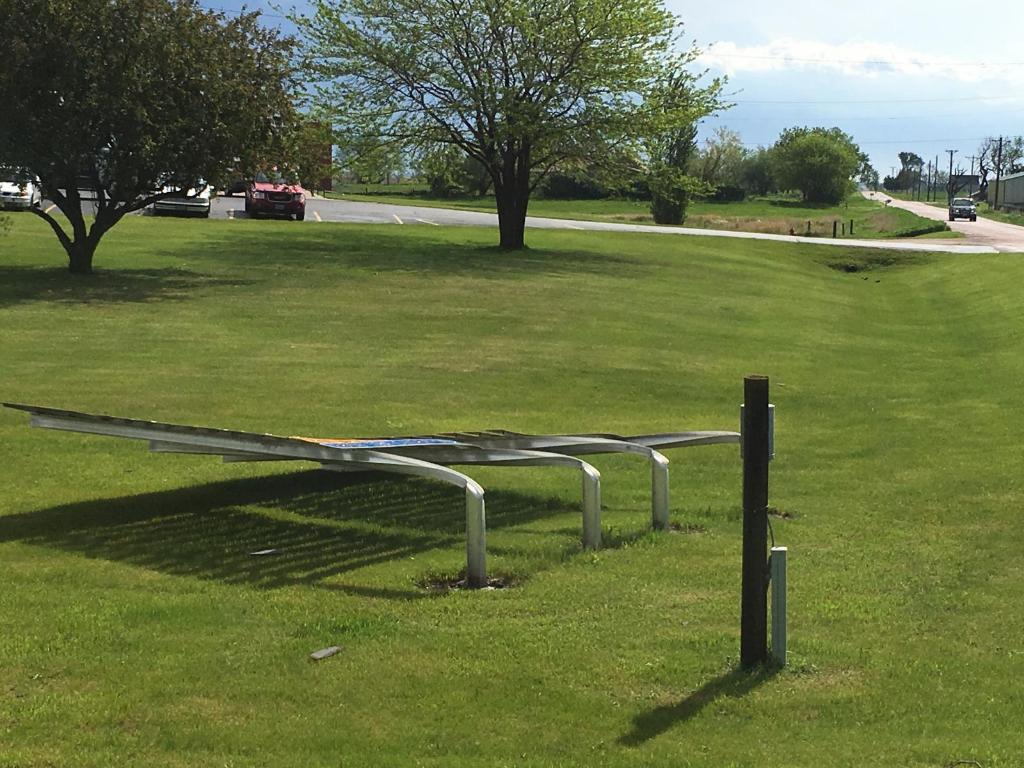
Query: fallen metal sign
430	456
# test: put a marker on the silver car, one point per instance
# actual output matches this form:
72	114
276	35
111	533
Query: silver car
19	194
192	203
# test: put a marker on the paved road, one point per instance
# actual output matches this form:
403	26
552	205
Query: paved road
984	232
1005	237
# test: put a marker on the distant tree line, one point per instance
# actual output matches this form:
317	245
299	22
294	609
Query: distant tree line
819	163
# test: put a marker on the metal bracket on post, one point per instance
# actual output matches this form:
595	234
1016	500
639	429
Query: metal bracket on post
778	586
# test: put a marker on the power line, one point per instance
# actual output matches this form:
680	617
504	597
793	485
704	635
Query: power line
871	62
879	101
732	117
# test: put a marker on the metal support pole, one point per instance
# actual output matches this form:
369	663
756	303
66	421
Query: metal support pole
659	492
754	598
476	537
778	568
591	507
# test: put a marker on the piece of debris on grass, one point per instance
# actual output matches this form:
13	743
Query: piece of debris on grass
675	527
264	552
324	653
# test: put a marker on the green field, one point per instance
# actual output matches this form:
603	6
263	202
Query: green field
780	215
135	628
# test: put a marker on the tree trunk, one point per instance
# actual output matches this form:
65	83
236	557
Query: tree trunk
80	256
82	249
512	195
511	219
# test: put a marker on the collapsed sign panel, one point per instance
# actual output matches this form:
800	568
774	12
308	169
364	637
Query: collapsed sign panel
430	456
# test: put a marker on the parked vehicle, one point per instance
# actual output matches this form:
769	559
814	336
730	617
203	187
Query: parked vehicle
192	203
19	194
963	208
274	196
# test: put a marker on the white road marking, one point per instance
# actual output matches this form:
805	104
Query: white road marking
431	223
397	220
52	206
317	216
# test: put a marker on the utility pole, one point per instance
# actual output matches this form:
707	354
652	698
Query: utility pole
949	181
935	180
999	168
971	179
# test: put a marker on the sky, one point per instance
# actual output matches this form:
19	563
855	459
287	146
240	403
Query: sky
903	75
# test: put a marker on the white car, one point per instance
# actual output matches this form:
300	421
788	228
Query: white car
16	194
193	202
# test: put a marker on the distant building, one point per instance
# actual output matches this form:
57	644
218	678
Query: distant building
1010	194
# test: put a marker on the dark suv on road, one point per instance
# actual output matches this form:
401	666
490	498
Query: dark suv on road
963	208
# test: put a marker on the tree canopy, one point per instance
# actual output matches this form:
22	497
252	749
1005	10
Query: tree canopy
820	162
521	86
126	97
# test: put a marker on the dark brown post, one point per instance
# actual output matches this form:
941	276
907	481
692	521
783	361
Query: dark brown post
754	600
834	227
851	227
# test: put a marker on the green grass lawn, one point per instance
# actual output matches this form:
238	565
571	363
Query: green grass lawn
1007	217
135	629
774	215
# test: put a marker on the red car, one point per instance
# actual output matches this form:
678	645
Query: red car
275	198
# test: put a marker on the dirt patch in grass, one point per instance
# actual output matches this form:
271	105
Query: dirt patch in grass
869	261
443	583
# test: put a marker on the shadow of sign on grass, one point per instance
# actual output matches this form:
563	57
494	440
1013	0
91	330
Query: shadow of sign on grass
733	684
321	524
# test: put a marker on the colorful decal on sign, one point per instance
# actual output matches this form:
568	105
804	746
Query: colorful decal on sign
378	443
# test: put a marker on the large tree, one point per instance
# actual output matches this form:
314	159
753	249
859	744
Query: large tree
820	162
911	164
125	97
521	86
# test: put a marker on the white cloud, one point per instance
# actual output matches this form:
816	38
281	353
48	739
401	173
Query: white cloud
860	59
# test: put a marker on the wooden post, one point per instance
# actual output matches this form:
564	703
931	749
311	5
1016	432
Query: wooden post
851	227
844	229
754	597
834	227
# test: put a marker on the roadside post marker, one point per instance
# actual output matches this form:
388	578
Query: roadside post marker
755	443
